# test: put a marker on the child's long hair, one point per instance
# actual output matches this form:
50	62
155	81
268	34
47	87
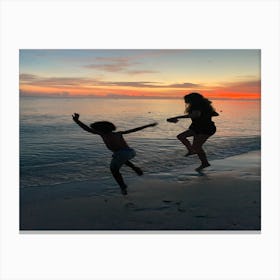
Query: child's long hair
194	100
103	126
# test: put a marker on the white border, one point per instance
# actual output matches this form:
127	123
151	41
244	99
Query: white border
140	24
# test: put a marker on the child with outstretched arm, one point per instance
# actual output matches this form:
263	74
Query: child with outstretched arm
200	111
114	141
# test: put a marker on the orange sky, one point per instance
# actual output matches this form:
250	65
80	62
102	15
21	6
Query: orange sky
164	74
118	91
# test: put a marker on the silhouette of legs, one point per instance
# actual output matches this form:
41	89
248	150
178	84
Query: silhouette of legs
196	146
183	138
118	159
137	170
118	177
198	141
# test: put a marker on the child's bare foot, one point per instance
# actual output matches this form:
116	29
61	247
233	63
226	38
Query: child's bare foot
138	171
124	189
202	166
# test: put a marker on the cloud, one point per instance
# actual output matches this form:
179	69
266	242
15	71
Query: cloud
134	84
251	86
250	89
185	85
111	64
113	67
246	77
154	85
53	94
30	79
118	64
137	72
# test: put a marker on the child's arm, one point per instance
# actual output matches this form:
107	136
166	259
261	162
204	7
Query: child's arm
193	114
175	119
138	128
82	125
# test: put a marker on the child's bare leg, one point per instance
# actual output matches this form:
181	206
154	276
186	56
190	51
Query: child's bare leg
204	161
183	138
118	177
137	170
199	140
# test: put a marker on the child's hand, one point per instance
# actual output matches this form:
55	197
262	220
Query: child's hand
75	117
153	124
172	120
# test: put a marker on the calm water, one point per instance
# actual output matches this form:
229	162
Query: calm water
54	150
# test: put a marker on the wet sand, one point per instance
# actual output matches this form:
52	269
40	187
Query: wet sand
227	196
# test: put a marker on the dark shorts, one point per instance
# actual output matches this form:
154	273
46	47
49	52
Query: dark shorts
207	130
120	157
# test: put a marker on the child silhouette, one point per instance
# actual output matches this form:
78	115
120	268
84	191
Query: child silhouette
115	142
200	110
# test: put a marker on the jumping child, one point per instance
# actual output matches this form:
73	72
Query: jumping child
200	110
115	142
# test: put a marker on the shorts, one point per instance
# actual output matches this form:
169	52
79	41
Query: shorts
120	157
207	130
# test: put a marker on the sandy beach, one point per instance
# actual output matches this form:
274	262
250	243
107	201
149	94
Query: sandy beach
227	196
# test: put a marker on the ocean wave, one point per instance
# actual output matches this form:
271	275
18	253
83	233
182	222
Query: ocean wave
63	163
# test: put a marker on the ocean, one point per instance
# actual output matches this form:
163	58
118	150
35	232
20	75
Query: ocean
54	150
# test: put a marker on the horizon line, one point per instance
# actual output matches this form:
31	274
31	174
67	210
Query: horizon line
128	97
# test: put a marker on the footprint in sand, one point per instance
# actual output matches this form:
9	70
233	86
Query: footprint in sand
152	209
177	204
172	202
130	205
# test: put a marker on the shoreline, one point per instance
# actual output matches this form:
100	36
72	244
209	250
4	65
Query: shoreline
225	197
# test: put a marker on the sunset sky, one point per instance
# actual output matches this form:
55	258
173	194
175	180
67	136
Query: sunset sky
151	73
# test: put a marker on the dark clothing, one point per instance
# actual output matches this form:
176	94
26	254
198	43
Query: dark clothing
204	123
208	129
